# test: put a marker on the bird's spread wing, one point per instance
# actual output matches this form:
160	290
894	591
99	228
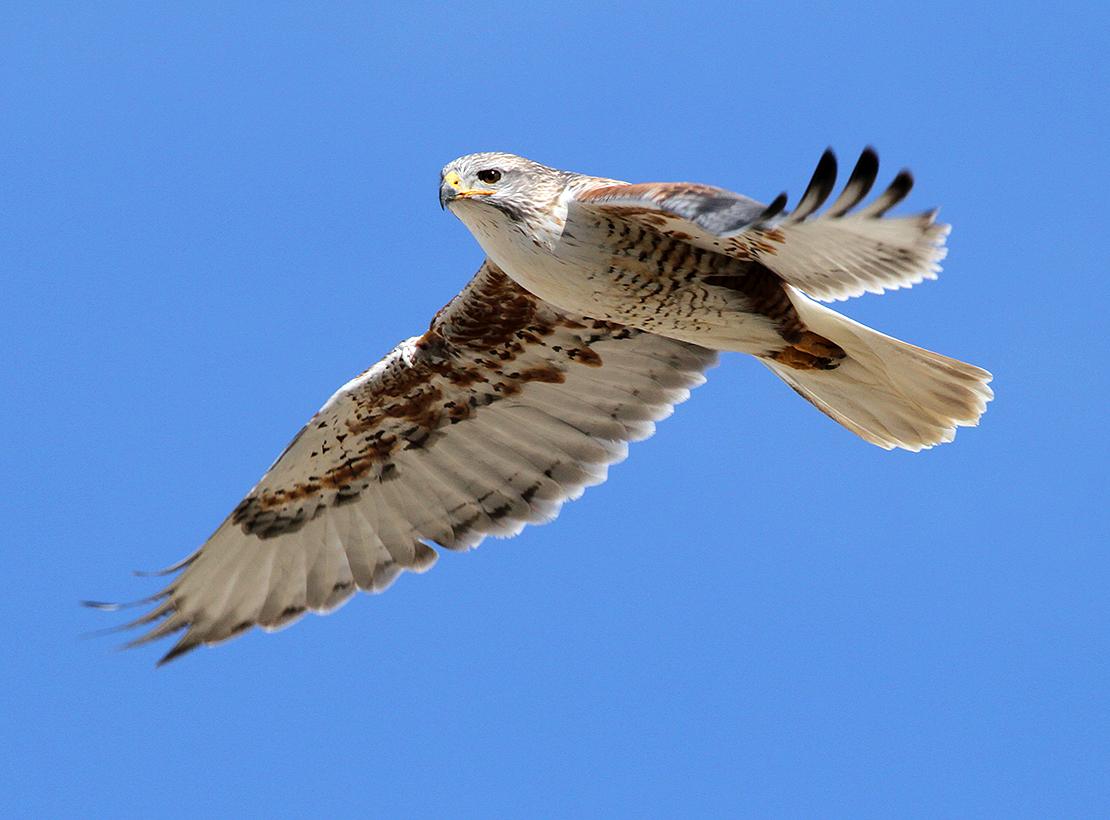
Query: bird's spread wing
834	255
492	419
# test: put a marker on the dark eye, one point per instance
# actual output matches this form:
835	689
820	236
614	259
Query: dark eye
489	176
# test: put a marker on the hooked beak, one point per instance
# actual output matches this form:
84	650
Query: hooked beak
451	188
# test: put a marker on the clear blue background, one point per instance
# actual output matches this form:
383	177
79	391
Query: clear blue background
211	217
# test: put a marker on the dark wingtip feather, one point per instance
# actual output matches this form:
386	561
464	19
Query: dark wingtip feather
826	166
859	183
820	186
116	606
104	606
182	647
898	189
902	185
774	209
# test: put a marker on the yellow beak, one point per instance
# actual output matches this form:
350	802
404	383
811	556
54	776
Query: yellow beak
452	188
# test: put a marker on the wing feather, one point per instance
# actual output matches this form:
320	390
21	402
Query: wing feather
505	409
819	188
835	255
859	185
529	447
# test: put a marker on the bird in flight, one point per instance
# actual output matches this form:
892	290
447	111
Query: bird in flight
599	306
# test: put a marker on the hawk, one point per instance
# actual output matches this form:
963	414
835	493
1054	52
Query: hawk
600	305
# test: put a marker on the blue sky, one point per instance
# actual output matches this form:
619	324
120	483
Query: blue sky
213	216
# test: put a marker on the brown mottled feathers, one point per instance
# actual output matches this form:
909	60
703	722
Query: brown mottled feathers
504	409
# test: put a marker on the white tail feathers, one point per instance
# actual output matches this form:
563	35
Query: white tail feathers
888	392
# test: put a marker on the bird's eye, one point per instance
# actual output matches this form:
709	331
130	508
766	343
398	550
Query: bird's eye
489	176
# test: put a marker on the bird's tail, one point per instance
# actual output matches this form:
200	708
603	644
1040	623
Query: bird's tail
888	392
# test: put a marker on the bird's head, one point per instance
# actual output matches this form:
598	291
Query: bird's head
516	187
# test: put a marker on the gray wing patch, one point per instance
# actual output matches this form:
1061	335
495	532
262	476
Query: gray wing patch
724	213
713	210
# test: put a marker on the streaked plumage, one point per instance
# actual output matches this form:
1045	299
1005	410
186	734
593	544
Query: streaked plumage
600	307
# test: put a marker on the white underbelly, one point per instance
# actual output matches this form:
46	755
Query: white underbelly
566	283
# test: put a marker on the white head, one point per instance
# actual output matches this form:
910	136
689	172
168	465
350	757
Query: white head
499	187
